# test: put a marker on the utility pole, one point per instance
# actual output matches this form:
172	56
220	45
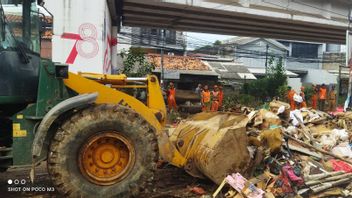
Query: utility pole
348	58
162	56
339	84
266	59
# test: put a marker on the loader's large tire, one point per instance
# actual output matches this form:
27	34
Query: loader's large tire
103	151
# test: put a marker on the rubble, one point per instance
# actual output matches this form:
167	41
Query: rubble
302	153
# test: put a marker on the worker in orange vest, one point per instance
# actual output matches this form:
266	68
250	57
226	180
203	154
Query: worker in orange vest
322	97
332	99
290	95
215	99
314	97
171	98
206	103
221	96
303	95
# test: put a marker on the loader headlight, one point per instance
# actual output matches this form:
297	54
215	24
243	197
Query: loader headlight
61	71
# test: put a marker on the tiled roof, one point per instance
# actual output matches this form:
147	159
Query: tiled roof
178	62
13	18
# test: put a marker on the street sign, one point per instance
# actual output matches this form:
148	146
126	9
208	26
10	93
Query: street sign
171	75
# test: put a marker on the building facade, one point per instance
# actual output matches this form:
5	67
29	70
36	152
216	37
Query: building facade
311	62
152	40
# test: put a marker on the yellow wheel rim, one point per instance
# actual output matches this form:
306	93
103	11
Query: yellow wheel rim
106	158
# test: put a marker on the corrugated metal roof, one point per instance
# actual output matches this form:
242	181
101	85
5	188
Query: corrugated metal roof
261	72
246	40
233	70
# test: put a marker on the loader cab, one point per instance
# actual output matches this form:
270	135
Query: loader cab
19	54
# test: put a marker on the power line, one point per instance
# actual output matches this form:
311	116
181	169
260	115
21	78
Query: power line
243	52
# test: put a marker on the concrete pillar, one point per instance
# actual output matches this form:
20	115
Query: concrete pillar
114	50
326	13
244	3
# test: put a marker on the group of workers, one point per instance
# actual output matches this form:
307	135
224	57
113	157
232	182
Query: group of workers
320	96
210	100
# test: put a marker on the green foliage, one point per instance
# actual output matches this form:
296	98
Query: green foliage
173	116
282	92
135	63
233	100
273	85
308	91
217	42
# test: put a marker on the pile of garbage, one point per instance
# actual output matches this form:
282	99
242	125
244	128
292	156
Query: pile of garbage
300	153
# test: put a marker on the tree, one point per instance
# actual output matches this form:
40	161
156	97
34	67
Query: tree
217	42
276	77
135	63
272	85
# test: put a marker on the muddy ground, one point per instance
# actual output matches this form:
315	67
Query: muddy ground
170	182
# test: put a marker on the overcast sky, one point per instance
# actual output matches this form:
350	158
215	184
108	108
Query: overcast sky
208	37
196	40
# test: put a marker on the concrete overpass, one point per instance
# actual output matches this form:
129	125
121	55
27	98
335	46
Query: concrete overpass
307	20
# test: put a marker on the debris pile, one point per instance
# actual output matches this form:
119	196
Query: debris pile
306	152
303	153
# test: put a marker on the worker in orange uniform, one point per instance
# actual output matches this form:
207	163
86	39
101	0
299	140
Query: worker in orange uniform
322	97
206	103
303	95
171	98
290	95
215	99
221	96
332	99
315	97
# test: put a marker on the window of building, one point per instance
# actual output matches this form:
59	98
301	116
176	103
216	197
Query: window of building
305	50
144	31
334	48
285	43
154	32
170	37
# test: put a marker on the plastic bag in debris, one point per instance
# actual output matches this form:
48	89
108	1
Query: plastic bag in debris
342	150
281	109
296	117
340	134
327	141
291	130
241	185
297	98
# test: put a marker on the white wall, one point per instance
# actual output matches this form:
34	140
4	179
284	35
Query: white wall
316	76
257	60
295	83
82	35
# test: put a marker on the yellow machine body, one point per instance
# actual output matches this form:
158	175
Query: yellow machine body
208	145
214	144
153	110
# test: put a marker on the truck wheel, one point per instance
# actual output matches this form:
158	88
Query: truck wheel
103	151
